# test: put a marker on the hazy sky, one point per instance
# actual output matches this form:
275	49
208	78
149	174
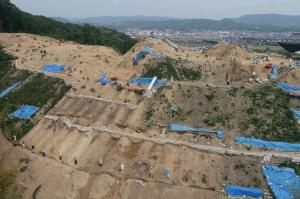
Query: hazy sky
175	8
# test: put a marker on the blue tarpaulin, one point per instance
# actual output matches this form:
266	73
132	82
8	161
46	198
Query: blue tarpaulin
274	71
282	146
296	114
53	68
183	128
145	51
9	89
25	112
149	51
138	56
103	80
297	63
288	87
238	191
284	182
147	80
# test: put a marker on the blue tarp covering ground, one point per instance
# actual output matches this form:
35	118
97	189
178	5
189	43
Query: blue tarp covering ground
103	80
145	51
296	113
238	191
55	68
9	89
274	71
147	80
282	146
297	63
149	51
288	87
284	182
138	56
25	112
183	128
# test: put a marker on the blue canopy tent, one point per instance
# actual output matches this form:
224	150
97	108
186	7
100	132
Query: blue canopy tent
9	89
25	112
182	128
238	191
284	182
282	146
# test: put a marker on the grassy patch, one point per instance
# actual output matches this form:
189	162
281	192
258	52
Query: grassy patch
191	74
8	73
270	115
222	119
5	62
149	114
233	91
256	181
38	90
8	188
166	69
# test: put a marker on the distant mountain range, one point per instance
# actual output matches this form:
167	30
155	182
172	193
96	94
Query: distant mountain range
106	20
285	21
256	22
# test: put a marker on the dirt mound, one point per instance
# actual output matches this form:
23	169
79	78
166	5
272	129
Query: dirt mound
222	51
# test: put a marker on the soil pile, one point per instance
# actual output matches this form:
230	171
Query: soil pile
222	51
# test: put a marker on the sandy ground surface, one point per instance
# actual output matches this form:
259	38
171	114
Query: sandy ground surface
49	178
143	175
189	170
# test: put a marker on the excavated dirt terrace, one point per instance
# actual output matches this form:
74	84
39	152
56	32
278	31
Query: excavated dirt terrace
149	169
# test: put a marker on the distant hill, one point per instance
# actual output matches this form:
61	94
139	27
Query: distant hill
266	23
198	24
12	19
284	21
106	20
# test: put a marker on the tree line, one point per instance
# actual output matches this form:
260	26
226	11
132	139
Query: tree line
13	20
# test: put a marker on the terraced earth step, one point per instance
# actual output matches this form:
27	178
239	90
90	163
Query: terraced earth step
205	148
128	105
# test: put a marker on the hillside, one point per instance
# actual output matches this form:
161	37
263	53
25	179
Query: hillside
12	19
31	91
284	21
119	140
